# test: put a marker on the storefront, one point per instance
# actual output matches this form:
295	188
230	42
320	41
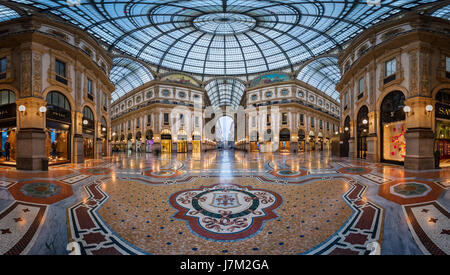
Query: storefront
58	128
129	142
104	134
138	143
301	140
166	141
88	133
182	142
149	141
268	139
254	141
285	140
320	141
311	140
8	130
344	145
442	132
362	131
196	143
393	128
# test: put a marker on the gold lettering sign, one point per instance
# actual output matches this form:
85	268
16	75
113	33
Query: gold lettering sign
442	111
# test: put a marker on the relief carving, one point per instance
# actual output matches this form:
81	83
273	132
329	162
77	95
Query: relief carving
413	74
37	74
26	73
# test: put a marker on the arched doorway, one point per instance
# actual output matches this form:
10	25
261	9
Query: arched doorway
442	129
88	132
182	141
301	140
104	132
393	128
58	128
285	140
166	141
254	137
225	132
8	128
149	141
362	131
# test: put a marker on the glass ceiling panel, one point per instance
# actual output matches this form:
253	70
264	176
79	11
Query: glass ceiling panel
323	74
127	75
236	29
225	92
7	13
443	12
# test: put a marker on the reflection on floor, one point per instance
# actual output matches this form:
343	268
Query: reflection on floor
225	202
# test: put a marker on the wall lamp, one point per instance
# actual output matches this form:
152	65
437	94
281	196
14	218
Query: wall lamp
407	110
364	121
85	122
346	129
22	108
428	109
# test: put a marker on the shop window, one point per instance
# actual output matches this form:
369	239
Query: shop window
60	70
3	63
268	120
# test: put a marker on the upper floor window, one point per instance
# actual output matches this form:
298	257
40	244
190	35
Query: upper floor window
138	122
3	68
447	66
345	99
312	122
7	97
390	67
284	118
129	124
197	122
149	119
166	119
60	70
361	85
182	119
89	86
105	101
302	119
321	124
268	120
328	126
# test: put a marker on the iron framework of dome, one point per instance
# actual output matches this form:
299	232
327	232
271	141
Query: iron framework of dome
225	37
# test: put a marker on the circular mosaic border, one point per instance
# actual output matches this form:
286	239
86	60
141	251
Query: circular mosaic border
64	192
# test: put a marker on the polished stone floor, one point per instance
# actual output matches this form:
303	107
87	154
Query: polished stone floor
225	202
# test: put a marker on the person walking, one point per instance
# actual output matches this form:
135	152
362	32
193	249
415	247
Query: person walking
7	150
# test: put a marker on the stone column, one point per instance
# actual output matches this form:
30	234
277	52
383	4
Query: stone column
78	146
352	147
372	151
31	137
99	149
419	135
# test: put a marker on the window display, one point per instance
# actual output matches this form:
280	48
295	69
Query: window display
394	142
57	145
8	153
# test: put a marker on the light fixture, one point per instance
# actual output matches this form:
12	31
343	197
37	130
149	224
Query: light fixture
42	109
85	122
364	121
346	129
22	108
104	129
429	108
336	133
407	109
114	133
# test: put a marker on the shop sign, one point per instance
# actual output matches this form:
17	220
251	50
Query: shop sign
442	111
58	114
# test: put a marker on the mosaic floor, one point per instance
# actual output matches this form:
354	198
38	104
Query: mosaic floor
225	202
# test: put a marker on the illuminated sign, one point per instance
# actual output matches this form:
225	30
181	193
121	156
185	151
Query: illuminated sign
442	111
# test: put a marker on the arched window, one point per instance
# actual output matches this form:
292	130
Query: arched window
87	113
59	100
7	97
